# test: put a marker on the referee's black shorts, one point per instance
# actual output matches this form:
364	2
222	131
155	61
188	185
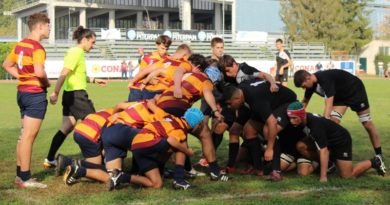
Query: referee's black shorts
77	104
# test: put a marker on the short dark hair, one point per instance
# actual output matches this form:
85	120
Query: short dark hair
300	77
198	60
216	40
212	62
82	32
279	40
165	40
229	92
37	18
226	61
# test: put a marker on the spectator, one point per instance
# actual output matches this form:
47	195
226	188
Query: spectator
130	68
318	66
124	70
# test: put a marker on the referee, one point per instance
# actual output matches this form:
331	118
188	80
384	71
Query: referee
75	102
283	62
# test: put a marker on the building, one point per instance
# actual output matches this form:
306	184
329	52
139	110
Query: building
139	14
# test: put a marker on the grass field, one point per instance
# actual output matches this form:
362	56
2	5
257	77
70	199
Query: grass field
367	189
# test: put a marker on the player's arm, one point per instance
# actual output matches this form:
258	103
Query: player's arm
324	159
39	70
271	123
306	98
177	77
142	73
11	68
328	107
100	82
265	76
180	146
210	99
59	84
120	107
154	74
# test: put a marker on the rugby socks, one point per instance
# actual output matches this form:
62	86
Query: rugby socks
179	173
276	156
217	139
90	165
233	152
81	172
124	178
378	150
254	147
56	143
187	164
25	175
214	167
18	171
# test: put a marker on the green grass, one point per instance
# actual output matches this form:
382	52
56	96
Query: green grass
368	189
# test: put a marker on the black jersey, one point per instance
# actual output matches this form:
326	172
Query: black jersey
336	83
325	132
262	101
282	58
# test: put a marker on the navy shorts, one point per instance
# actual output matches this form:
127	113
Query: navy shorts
32	104
77	104
148	158
88	147
136	94
116	140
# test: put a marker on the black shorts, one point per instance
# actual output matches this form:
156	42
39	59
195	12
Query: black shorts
77	104
244	114
280	113
32	104
88	147
342	151
116	140
282	78
148	158
357	103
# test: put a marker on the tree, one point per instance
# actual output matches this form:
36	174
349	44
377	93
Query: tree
384	28
7	23
340	24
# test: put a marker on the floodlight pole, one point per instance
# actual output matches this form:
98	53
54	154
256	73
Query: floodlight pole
223	18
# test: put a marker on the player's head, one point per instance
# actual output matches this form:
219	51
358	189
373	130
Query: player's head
212	70
228	65
303	79
279	43
217	47
193	116
233	97
163	42
198	62
184	50
297	113
39	23
85	37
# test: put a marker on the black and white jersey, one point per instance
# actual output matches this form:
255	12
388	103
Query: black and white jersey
246	72
335	83
282	58
325	132
262	101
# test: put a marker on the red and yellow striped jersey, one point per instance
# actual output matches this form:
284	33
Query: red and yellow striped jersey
170	65
25	54
137	115
192	86
91	126
147	60
153	132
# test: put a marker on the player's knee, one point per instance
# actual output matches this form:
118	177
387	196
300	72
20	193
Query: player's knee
220	128
305	167
157	184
